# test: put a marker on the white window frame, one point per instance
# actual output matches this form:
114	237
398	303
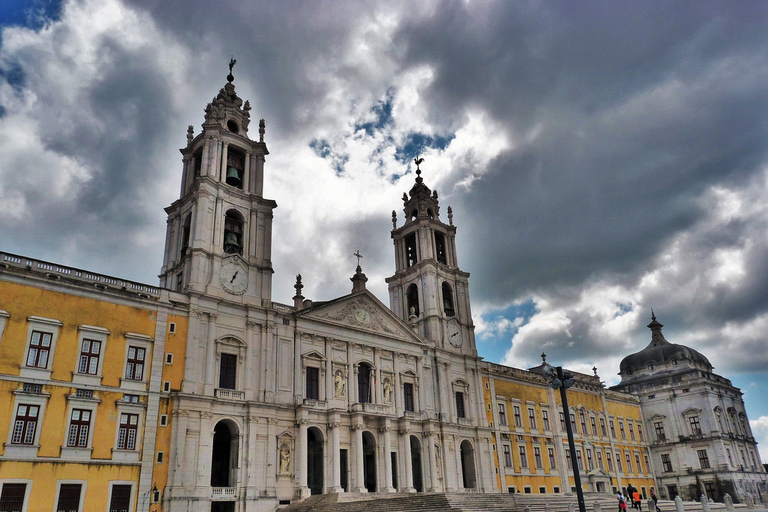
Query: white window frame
38	323
79	452
3	315
27	489
26	451
139	341
234	346
123	454
83	485
460	386
132	484
94	333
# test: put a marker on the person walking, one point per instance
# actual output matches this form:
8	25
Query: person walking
622	503
637	500
654	498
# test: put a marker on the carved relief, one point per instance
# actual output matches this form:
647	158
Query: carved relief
358	313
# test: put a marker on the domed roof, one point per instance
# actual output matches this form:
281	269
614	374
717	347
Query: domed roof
659	352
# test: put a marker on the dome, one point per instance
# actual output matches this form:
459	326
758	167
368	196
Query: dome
660	352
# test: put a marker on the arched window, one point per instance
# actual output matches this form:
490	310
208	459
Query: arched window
225	455
185	235
448	300
414	214
468	465
440	248
233	233
364	383
413	300
411	258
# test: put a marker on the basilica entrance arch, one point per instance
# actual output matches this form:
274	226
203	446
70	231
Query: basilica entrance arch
315	462
418	483
225	453
369	461
468	465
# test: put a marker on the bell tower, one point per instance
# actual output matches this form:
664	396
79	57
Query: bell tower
219	231
428	290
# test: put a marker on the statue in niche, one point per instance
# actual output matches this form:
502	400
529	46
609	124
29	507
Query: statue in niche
285	458
339	384
387	391
438	462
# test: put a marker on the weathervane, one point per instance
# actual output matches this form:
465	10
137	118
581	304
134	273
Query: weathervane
232	63
418	161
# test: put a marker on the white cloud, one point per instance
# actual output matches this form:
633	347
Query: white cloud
760	431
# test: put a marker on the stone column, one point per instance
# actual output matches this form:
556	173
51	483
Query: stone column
433	479
247	171
206	450
223	168
377	397
359	476
387	442
250	355
210	356
405	444
300	461
333	426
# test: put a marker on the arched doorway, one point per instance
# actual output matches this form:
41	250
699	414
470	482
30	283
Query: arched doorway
416	464
315	462
468	465
224	456
369	462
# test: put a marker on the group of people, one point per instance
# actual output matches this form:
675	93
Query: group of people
632	494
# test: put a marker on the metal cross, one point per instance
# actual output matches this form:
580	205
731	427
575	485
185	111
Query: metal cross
358	255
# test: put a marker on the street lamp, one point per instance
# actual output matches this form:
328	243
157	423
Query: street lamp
562	380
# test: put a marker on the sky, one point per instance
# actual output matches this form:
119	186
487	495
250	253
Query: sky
602	158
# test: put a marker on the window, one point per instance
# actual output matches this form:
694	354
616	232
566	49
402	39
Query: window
364	383
629	462
659	426
79	427
172	327
408	396
609	460
228	371
32	388
160	457
631	431
39	349
412	296
163	420
12	497
166	386
695	425
507	456
313	382
134	368
666	462
556	489
551	454
647	465
613	430
523	457
121	498
599	459
69	498
730	457
526	490
703	459
545	419
235	165
618	461
573	423
593	425
640	432
126	437
638	467
518	417
568	462
502	414
460	404
84	393
621	429
590	461
89	356
583	422
542	490
578	459
168	358
562	421
448	300
25	425
537	457
532	417
602	427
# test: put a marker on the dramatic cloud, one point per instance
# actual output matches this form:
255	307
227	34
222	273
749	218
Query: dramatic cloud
601	159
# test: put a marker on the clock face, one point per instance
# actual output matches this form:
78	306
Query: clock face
234	277
454	335
363	316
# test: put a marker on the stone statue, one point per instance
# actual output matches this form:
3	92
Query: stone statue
338	380
387	391
285	458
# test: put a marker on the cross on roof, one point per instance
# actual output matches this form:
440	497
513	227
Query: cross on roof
358	255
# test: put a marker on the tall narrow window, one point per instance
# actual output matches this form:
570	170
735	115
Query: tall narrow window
79	425
593	424
579	462
313	383
25	425
12	497
695	425
631	431
599	459
410	250
364	383
659	426
233	233
234	169
618	461
602	427
126	436
613	429
523	457
502	414
440	248
39	348
134	368
703	459
408	396
121	498
537	457
609	460
460	404
507	456
573	423
228	371
448	300
552	461
590	462
69	498
545	419
629	462
89	357
532	417
185	228
413	300
518	416
640	432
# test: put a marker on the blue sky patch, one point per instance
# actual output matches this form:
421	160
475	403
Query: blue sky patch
494	344
415	144
31	14
383	112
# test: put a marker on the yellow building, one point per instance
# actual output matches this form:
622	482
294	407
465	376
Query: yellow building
87	364
531	444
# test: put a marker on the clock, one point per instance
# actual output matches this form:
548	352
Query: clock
234	277
453	332
362	316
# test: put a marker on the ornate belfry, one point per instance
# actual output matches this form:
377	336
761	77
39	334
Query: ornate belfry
428	290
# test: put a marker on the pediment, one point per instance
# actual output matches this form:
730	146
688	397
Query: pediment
657	417
691	410
598	473
314	354
363	312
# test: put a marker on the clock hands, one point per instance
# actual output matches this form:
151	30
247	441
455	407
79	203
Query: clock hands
454	334
233	277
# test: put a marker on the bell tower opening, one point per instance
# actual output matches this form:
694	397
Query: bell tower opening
233	233
235	168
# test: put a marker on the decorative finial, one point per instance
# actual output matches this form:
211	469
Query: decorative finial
418	161
230	76
394	220
653	316
262	126
543	358
450	216
190	134
298	284
594	369
358	255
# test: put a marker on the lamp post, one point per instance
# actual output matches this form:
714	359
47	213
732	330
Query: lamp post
562	380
